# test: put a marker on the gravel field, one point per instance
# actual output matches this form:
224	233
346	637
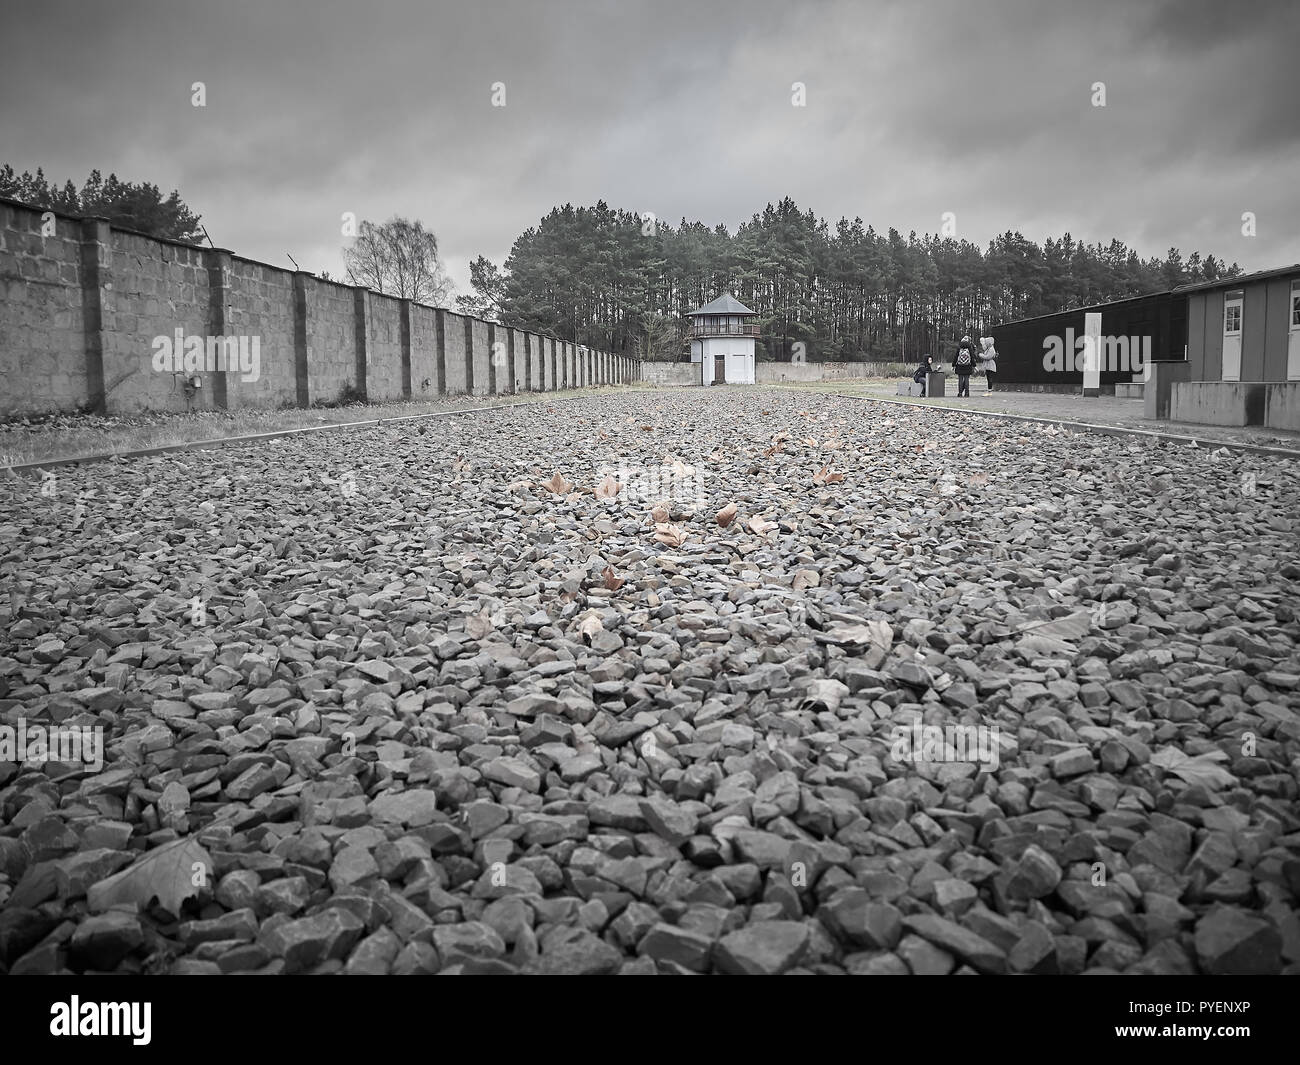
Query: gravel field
505	692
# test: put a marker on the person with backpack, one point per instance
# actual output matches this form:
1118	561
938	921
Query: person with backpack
989	361
963	365
926	367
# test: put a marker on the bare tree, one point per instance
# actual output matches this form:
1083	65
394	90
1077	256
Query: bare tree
398	258
662	338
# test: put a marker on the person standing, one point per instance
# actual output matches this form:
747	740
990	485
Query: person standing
963	365
989	361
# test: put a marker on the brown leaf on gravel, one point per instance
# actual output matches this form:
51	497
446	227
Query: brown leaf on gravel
760	525
660	514
726	514
826	476
612	580
670	535
557	485
979	479
171	874
607	489
771	451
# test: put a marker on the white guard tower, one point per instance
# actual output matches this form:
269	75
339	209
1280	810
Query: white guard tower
722	342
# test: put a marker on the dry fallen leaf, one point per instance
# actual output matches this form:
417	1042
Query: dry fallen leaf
608	488
660	514
760	525
171	874
557	484
979	478
726	514
612	580
670	535
771	451
1199	770
825	476
478	626
833	445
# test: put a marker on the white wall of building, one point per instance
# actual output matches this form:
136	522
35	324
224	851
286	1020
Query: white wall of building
738	353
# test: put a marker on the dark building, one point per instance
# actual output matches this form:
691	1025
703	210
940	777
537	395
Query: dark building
1044	354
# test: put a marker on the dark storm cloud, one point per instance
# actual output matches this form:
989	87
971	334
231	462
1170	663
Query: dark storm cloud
914	109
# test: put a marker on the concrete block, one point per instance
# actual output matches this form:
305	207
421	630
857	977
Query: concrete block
1233	403
1282	406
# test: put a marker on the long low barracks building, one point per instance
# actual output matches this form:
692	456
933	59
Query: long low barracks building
1223	352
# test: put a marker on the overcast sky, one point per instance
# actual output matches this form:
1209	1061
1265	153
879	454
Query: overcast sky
912	109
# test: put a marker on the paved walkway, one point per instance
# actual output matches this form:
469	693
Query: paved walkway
1098	410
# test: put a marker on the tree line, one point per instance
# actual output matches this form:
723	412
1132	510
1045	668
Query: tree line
624	282
128	205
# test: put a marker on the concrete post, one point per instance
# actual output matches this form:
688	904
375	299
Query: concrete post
301	364
217	262
406	311
469	356
1091	354
361	317
440	350
98	304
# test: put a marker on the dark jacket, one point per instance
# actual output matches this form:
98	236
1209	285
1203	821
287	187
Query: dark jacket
925	367
965	370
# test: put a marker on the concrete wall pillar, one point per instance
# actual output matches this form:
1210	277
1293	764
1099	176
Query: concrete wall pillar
361	303
97	304
469	356
217	262
301	370
440	350
406	311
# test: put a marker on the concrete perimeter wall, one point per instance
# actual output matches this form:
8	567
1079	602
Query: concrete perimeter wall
772	373
90	315
670	373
